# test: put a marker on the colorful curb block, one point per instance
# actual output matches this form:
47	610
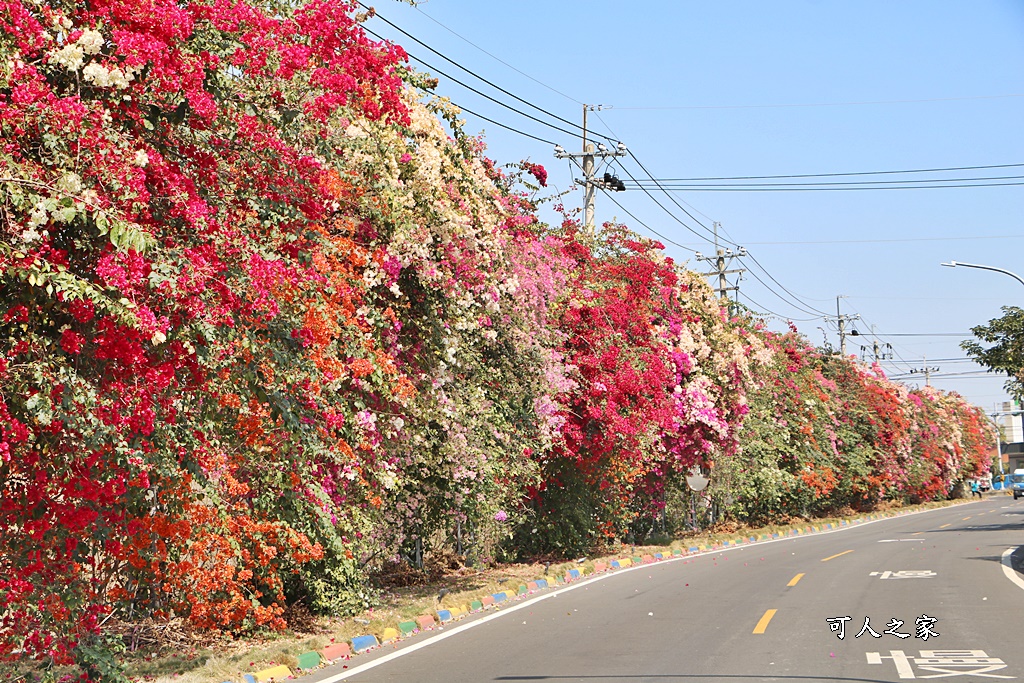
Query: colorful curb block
444	615
389	635
248	678
487	600
500	597
522	590
542	583
407	627
425	622
361	643
336	651
475	605
600	567
276	673
309	660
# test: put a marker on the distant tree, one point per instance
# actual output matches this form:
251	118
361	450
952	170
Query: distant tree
1003	348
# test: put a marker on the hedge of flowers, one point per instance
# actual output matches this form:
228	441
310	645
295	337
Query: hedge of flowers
271	321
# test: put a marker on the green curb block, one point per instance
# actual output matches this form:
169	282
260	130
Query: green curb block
309	660
407	627
476	604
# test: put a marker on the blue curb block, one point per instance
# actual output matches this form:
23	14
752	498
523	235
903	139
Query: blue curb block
444	615
499	597
574	573
248	678
615	563
543	583
694	550
658	556
360	643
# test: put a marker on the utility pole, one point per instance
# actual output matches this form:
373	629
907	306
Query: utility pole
841	320
721	262
926	370
589	182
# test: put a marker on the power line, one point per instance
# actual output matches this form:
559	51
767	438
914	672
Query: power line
628	213
483	94
662	206
510	128
834	175
824	104
667	194
784	299
736	188
796	297
496	58
900	239
860	182
765	309
478	76
929	334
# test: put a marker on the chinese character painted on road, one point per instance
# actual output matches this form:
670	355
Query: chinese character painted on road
867	627
924	627
943	663
905	574
893	625
838	625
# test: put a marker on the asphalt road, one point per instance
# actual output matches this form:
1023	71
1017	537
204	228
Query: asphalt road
757	613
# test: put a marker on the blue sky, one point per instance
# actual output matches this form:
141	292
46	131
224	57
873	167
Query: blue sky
729	88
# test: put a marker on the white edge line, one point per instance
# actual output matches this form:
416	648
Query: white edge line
1008	569
597	577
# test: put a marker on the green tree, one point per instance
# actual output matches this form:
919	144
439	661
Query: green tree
1003	348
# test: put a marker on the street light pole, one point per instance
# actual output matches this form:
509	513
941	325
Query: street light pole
954	264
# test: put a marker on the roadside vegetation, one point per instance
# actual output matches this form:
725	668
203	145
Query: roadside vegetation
277	337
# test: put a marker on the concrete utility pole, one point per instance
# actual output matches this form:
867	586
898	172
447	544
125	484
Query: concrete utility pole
589	182
721	261
927	371
841	320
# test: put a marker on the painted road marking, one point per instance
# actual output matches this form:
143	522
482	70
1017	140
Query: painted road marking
832	557
763	624
945	663
1011	574
945	525
902	540
917	533
905	574
965	518
794	580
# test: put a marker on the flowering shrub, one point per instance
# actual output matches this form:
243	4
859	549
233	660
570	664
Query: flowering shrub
267	324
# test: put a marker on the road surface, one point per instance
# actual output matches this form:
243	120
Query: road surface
770	611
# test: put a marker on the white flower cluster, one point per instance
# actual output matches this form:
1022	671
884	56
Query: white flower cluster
72	55
103	77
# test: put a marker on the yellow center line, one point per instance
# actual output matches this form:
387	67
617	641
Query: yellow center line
944	526
917	533
763	624
832	557
966	518
792	582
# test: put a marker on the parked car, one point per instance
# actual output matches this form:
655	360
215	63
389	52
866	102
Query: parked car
1017	483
